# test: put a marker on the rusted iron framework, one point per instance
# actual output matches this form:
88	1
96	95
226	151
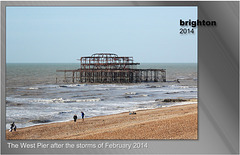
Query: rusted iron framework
110	68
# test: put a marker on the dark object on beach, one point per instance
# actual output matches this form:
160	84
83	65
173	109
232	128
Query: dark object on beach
174	100
178	81
75	118
13	127
132	113
82	115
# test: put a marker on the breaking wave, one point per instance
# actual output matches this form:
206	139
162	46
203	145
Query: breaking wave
39	121
61	100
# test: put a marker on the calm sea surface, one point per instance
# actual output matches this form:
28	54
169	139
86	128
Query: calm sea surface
33	97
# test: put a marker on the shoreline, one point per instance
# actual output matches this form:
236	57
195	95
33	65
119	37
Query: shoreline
192	100
175	122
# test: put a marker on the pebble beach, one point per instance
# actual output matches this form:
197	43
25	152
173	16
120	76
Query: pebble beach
176	122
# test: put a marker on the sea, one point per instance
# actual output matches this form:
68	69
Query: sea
33	97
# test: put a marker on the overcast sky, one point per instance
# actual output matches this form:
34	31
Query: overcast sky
64	34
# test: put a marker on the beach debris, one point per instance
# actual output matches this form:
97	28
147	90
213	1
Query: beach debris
132	113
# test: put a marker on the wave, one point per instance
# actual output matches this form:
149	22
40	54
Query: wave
144	95
131	93
65	112
61	100
172	92
39	121
90	100
177	86
154	87
73	85
10	104
178	103
136	96
33	88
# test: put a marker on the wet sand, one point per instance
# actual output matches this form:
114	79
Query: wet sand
177	122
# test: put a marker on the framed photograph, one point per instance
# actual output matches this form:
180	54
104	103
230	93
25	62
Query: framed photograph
134	77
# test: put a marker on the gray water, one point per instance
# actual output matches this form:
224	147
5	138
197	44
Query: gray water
33	97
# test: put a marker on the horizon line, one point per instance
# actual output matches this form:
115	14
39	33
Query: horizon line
79	62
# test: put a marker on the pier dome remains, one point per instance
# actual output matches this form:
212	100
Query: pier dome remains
110	68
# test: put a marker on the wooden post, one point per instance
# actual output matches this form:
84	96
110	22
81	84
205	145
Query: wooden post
73	77
65	76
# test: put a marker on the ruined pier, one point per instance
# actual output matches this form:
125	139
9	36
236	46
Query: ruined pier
110	68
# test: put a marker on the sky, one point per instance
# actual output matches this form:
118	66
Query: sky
64	34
